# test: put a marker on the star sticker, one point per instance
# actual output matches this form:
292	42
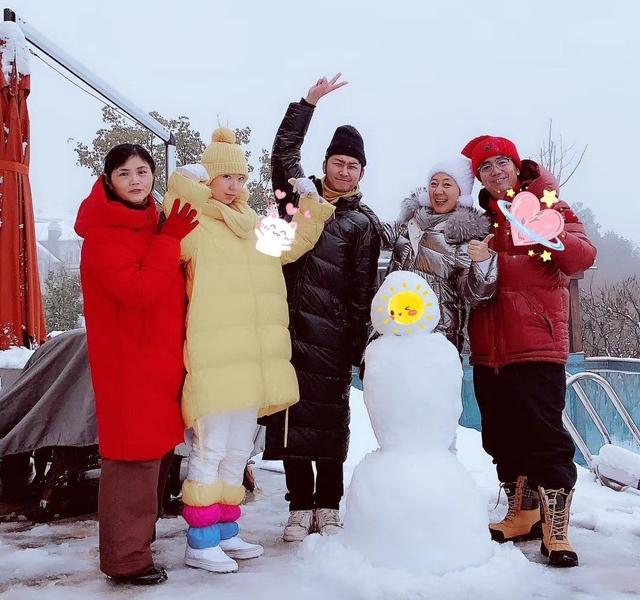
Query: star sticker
549	198
496	225
510	193
546	255
531	253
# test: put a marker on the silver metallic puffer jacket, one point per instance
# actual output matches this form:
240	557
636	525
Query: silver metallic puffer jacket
435	246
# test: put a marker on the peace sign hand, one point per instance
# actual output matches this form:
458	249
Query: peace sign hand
322	87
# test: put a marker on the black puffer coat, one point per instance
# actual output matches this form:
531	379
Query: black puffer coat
329	292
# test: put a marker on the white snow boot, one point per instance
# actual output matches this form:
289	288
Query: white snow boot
300	524
237	548
211	559
328	521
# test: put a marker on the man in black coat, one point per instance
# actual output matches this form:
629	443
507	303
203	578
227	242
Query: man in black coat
330	290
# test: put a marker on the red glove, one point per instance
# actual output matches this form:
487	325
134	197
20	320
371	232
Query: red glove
181	222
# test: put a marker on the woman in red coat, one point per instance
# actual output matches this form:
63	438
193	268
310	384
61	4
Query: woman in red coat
519	347
134	305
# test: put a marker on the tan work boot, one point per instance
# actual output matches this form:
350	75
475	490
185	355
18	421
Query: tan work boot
555	526
522	521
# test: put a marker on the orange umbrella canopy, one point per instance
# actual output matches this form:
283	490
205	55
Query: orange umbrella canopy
21	311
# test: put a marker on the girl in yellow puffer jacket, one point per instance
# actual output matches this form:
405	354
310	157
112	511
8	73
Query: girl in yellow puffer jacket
237	351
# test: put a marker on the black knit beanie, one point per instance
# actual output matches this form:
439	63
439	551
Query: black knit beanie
348	141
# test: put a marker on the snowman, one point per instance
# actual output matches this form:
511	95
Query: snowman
411	505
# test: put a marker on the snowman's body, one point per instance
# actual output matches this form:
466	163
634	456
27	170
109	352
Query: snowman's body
411	504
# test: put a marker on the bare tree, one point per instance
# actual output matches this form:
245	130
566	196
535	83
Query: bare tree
611	319
560	159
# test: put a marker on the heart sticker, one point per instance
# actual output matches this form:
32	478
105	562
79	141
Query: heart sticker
547	223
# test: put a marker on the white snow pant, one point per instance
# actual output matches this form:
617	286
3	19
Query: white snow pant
221	445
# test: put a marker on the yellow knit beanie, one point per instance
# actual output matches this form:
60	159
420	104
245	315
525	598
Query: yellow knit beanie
223	155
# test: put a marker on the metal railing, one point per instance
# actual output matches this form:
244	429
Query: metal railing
573	381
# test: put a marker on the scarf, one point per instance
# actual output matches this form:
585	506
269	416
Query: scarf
426	218
332	196
237	216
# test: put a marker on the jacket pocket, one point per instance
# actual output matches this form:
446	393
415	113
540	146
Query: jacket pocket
538	313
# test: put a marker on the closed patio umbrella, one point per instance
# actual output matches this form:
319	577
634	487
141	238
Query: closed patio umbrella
21	311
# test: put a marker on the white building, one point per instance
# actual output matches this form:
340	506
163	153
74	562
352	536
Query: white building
58	247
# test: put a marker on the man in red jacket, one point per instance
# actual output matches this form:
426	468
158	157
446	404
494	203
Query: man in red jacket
519	348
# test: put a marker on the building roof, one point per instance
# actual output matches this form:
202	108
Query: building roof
42	230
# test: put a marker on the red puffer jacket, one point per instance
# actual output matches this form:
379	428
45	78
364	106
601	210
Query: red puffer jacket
134	305
528	318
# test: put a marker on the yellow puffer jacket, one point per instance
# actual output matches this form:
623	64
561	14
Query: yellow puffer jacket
238	350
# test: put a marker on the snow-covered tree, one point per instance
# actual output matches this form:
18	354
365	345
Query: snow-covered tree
62	300
119	129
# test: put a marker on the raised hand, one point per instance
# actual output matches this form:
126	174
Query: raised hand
479	250
180	222
323	87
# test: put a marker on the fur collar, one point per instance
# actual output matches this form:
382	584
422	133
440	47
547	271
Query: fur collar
461	225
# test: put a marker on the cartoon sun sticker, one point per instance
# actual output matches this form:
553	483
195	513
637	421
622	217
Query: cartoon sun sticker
404	305
406	308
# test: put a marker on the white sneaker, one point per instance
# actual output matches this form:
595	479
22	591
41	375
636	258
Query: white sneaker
328	521
298	526
236	547
211	559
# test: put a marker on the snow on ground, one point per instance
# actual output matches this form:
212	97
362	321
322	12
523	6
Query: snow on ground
15	357
60	562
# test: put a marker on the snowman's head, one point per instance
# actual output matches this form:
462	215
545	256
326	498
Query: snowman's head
404	305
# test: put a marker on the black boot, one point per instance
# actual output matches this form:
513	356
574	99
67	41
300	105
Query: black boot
149	577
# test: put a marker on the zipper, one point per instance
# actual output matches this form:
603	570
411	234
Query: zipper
496	352
297	290
498	346
538	313
286	427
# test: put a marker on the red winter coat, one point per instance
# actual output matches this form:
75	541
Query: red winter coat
134	306
528	318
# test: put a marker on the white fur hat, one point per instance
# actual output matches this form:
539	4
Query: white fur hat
459	168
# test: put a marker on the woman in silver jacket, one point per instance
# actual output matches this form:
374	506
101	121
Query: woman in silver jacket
440	236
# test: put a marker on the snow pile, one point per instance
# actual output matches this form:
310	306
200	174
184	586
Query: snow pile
15	357
619	465
13	48
500	578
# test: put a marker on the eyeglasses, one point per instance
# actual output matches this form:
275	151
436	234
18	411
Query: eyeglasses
487	167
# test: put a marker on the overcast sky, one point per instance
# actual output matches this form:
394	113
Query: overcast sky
425	77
